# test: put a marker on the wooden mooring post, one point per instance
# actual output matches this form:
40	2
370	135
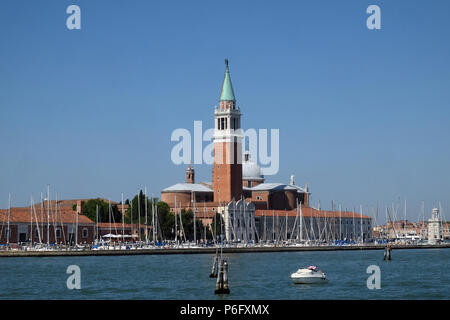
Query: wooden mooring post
222	279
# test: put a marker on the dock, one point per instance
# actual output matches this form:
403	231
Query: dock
209	250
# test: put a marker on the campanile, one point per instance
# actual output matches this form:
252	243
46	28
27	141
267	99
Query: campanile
227	168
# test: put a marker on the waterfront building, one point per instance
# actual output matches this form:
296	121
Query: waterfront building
404	229
239	193
41	224
60	222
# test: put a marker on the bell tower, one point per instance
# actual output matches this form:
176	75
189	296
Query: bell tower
227	168
190	174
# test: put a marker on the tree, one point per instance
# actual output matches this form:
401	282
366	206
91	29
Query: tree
137	204
89	209
166	221
187	217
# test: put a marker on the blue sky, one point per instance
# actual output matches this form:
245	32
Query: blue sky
363	114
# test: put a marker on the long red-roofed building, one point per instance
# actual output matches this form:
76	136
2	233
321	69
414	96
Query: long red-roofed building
38	224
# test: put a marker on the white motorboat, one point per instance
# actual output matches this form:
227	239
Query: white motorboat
312	274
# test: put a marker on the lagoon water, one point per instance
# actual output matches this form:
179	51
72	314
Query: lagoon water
411	274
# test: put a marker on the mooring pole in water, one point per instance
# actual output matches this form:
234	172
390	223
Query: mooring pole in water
226	288
219	281
214	268
222	279
215	265
387	253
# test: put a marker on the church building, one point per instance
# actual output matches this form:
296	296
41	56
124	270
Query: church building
239	193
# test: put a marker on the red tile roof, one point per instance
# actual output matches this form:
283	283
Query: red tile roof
64	215
309	211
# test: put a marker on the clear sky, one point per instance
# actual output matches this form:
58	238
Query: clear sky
363	114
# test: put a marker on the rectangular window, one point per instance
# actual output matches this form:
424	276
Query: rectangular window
85	233
226	123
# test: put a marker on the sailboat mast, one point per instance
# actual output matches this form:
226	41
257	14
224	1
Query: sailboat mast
146	221
123	222
405	219
286	227
42	215
76	230
195	229
48	214
361	223
139	215
9	216
154	221
131	218
301	223
157	230
96	219
175	214
204	219
109	214
265	226
273	225
31	221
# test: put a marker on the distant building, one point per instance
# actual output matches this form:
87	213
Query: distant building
64	225
403	229
435	234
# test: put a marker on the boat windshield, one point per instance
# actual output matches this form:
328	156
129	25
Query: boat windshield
313	268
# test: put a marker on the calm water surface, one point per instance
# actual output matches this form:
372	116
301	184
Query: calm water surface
412	274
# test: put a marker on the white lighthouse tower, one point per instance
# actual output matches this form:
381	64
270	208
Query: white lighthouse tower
434	227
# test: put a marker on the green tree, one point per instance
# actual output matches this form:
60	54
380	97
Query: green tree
166	221
89	209
137	207
187	218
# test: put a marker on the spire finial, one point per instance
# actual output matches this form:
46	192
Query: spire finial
227	93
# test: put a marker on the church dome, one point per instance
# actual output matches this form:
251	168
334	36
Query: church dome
250	170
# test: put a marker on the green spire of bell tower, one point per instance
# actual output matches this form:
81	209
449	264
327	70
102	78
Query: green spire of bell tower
227	93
